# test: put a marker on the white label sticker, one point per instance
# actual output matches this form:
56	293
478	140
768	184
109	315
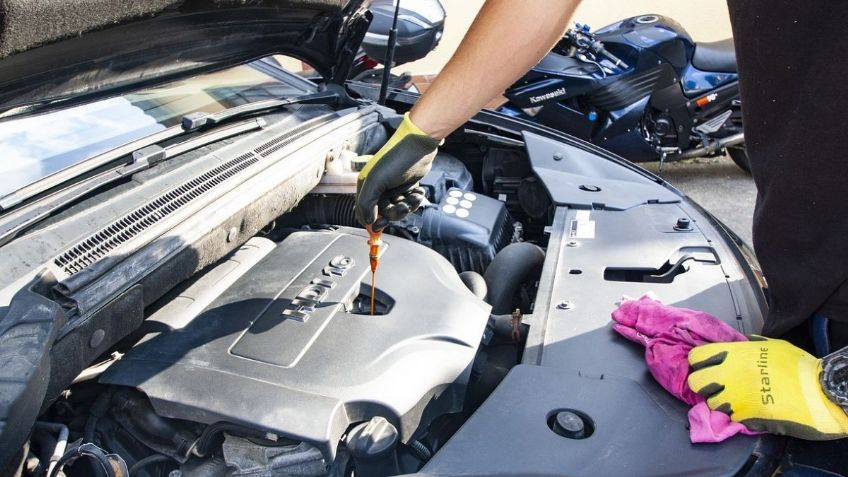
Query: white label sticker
582	229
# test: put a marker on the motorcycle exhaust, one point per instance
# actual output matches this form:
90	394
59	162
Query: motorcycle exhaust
712	147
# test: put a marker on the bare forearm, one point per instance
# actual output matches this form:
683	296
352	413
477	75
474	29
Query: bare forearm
505	40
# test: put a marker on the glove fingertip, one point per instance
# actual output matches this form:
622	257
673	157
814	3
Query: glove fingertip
724	408
379	224
706	355
414	201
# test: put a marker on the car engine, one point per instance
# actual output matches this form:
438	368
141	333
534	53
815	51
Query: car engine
270	362
290	346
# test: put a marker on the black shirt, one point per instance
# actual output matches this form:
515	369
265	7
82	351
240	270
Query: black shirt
793	67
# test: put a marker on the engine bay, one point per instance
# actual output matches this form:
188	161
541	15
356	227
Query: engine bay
494	296
269	361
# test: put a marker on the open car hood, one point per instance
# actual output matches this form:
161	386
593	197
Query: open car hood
57	53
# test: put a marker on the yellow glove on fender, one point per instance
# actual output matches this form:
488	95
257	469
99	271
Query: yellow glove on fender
389	180
767	385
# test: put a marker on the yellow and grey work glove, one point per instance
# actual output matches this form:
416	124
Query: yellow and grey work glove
388	184
767	385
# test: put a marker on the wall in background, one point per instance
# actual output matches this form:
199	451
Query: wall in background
705	20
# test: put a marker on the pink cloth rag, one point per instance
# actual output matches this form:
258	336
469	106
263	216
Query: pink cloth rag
668	333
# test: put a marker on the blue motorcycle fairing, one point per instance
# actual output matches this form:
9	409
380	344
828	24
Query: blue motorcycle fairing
621	121
550	90
658	34
696	82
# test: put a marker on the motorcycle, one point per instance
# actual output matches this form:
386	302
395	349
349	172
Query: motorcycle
641	88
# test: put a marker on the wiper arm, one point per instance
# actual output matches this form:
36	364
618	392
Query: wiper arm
190	123
61	176
17	221
194	121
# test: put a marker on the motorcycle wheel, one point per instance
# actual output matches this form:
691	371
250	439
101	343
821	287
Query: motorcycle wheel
740	157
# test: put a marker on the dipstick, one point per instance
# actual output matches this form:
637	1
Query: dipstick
375	240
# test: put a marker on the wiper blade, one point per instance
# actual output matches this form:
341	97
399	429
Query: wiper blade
61	176
190	123
194	121
17	221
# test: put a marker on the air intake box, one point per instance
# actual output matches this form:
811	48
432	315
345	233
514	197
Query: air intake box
467	228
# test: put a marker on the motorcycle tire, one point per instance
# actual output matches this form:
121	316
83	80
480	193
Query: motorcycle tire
740	157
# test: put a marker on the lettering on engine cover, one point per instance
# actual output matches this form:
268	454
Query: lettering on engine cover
304	304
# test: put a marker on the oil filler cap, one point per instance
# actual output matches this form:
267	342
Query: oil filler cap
372	440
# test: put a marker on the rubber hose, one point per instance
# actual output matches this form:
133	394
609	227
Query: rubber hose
513	265
420	450
325	210
144	419
112	465
149	460
475	282
212	431
98	410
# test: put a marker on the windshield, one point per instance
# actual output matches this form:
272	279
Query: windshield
37	146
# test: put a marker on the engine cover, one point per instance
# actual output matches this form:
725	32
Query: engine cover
289	348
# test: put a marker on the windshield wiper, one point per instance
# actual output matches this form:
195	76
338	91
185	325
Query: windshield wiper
190	123
194	121
17	221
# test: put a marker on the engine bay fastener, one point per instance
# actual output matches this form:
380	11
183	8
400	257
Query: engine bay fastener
516	325
96	338
571	424
565	305
572	243
683	224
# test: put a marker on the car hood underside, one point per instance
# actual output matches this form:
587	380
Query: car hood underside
56	53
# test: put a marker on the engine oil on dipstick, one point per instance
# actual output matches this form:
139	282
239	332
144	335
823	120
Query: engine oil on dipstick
375	241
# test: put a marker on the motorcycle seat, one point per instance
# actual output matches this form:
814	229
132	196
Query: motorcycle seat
718	56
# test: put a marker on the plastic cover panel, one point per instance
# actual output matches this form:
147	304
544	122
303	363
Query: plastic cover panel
634	434
574	360
581	179
309	373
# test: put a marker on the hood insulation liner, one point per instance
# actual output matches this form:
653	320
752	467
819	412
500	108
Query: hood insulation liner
26	24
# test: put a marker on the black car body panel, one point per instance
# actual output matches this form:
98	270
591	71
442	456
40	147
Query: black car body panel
109	53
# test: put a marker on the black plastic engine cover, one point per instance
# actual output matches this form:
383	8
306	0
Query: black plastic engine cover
286	350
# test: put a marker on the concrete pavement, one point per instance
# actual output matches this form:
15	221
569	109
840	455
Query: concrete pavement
718	185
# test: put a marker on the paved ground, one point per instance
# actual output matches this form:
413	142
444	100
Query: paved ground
719	186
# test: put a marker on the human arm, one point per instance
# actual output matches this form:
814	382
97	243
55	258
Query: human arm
505	40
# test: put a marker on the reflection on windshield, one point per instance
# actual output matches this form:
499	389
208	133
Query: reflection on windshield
37	146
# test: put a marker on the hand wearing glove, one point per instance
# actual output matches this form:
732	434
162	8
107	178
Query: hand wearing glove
767	385
388	184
